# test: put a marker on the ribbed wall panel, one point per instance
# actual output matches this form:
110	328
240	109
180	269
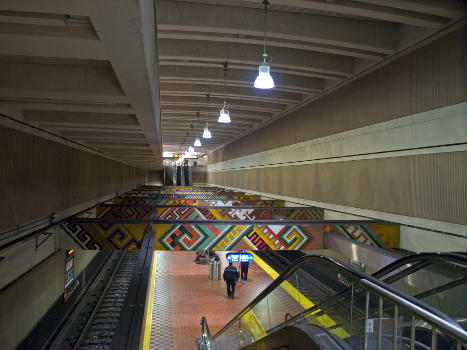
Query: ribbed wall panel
431	77
430	186
39	177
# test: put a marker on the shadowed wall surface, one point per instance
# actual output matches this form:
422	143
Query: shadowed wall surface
39	177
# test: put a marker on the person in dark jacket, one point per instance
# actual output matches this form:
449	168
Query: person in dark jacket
231	276
244	270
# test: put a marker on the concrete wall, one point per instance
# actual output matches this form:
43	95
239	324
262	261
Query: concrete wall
27	300
155	177
199	175
391	145
23	256
39	177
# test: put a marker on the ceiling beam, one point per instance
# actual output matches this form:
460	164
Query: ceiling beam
52	125
352	8
200	101
106	129
444	8
328	30
302	73
30	44
183	129
272	43
113	143
237	123
215	76
288	59
59	78
79	135
134	24
81	118
51	106
248	93
173	109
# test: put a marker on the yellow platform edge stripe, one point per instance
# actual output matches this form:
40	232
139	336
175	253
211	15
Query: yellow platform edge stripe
306	303
254	326
149	304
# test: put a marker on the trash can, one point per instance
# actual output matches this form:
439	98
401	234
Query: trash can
214	270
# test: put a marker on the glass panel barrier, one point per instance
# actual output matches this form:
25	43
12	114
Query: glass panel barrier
352	311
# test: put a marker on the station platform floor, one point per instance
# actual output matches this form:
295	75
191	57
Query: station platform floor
182	294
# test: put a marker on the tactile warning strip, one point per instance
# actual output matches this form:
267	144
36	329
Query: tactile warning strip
161	325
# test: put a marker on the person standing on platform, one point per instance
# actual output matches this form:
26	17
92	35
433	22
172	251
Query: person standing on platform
231	276
244	270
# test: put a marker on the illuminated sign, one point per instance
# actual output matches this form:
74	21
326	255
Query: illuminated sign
239	257
70	282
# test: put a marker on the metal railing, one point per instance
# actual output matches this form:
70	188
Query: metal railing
205	342
421	257
400	303
357	305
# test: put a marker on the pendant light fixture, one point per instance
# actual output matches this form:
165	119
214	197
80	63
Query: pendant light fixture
207	133
224	116
197	141
264	79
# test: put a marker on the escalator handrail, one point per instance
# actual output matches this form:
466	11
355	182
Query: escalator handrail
354	274
448	257
456	332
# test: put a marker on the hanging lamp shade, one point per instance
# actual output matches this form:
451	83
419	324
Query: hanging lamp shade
197	142
206	133
191	150
264	79
224	115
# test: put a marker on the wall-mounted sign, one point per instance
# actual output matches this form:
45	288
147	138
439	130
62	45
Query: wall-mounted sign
358	265
70	282
240	257
344	279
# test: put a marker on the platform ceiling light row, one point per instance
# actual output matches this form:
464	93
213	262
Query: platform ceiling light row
262	81
224	115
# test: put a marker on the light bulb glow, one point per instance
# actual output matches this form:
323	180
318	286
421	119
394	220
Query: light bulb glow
191	150
206	133
224	116
264	79
197	142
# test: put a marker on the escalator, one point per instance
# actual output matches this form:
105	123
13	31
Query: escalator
438	279
347	310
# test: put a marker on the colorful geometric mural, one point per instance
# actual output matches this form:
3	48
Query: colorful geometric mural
196	213
195	237
196	202
228	237
105	236
201	213
382	236
208	196
180	204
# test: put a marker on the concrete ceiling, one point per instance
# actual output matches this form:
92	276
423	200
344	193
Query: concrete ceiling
86	70
315	46
95	73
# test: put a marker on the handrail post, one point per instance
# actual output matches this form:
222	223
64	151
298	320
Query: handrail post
412	332
367	306
380	322
395	325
